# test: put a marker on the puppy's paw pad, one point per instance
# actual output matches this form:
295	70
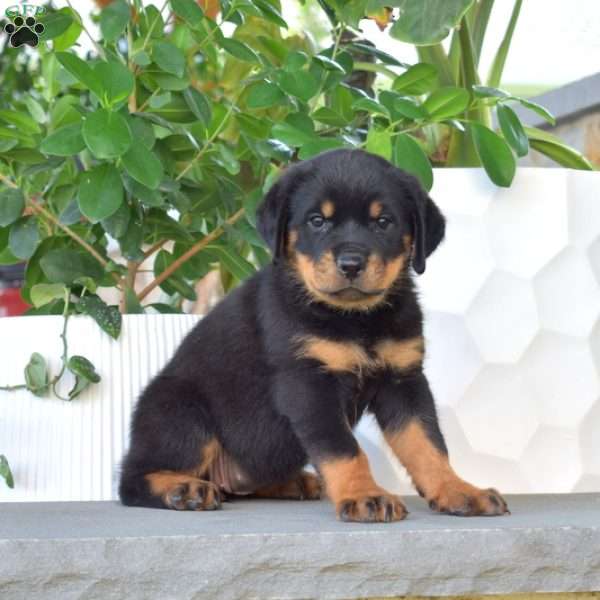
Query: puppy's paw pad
195	494
464	500
383	508
310	485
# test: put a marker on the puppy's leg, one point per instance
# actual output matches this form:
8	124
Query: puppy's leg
310	400
172	447
405	410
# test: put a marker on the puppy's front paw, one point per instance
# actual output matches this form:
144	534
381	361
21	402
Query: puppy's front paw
464	500
372	509
195	494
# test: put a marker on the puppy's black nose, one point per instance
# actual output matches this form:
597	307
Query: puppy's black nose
350	264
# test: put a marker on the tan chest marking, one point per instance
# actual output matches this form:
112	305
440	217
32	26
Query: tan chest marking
401	355
353	358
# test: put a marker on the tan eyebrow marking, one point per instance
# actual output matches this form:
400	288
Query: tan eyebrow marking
327	208
375	209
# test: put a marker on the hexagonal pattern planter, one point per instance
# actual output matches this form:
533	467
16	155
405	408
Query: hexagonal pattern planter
512	303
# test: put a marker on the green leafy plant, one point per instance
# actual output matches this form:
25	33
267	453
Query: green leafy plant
151	151
5	472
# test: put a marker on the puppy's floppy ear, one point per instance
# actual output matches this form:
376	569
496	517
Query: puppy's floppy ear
273	213
429	224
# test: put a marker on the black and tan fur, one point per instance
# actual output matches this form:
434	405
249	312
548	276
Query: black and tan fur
278	374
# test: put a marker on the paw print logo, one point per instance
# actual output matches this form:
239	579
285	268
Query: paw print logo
24	31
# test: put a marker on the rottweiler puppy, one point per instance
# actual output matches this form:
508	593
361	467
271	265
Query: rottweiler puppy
279	373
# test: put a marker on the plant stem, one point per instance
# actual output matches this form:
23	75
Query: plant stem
197	247
209	141
152	26
6	181
42	211
65	355
97	46
154	248
129	281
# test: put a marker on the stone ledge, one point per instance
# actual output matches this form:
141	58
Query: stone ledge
280	549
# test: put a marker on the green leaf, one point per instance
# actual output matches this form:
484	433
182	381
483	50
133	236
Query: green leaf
113	20
512	130
264	94
81	71
500	59
81	384
291	135
198	104
165	309
108	317
115	82
446	102
35	109
239	50
426	22
495	154
141	58
409	155
371	106
4	233
36	375
82	367
238	266
132	304
189	11
328	116
301	84
56	23
64	265
409	108
417	80
175	283
169	58
318	145
100	192
66	141
43	293
107	134
116	225
384	57
270	13
143	165
70	35
484	91
12	203
24	237
537	108
328	63
554	148
379	141
5	472
21	120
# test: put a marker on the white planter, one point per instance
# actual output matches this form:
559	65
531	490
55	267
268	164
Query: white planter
512	311
71	450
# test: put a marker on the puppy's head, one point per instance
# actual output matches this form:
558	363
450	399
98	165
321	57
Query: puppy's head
349	223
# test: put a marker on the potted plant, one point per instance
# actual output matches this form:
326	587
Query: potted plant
136	169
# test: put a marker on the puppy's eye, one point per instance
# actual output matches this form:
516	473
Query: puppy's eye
316	221
384	222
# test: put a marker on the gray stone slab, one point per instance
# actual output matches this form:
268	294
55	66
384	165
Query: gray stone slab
281	549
